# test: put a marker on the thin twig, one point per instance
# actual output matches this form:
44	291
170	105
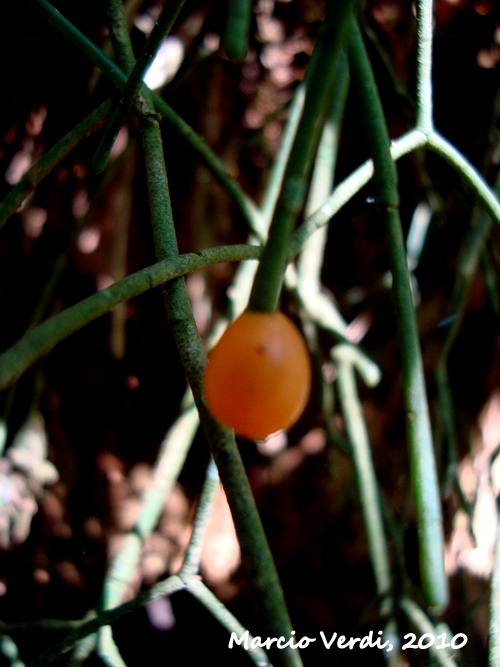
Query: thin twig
246	206
346	364
319	82
136	72
421	623
494	622
424	120
38	341
255	550
462	166
51	158
418	428
107	617
191	563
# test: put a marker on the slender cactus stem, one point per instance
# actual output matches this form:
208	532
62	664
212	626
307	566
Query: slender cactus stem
347	188
423	625
494	625
311	258
275	180
320	78
53	156
170	460
246	206
346	364
106	617
237	29
422	461
462	166
122	46
198	589
40	340
255	551
191	564
107	649
136	72
424	120
318	306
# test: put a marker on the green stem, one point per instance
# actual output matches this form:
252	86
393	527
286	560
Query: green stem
191	563
424	120
275	179
320	78
467	267
247	208
38	341
107	650
347	188
171	458
171	585
134	84
322	180
237	29
45	164
346	364
318	306
424	626
422	461
442	147
118	32
255	550
446	414
198	589
494	623
9	649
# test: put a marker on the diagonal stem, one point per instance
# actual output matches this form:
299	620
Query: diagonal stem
418	428
320	79
134	83
246	206
41	339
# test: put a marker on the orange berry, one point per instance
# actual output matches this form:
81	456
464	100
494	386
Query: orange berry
258	376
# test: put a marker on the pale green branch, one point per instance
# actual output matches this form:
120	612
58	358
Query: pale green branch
462	166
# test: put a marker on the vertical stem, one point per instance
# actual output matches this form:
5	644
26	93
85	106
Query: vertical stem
118	32
311	256
124	53
320	77
119	78
424	120
363	465
170	460
198	590
275	179
422	461
423	625
494	628
48	161
237	29
255	551
191	564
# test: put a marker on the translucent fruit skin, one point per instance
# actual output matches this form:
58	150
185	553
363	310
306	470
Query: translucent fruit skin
258	376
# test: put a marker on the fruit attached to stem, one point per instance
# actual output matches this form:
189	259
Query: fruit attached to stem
258	376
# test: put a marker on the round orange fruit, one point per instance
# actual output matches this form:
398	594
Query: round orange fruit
258	376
